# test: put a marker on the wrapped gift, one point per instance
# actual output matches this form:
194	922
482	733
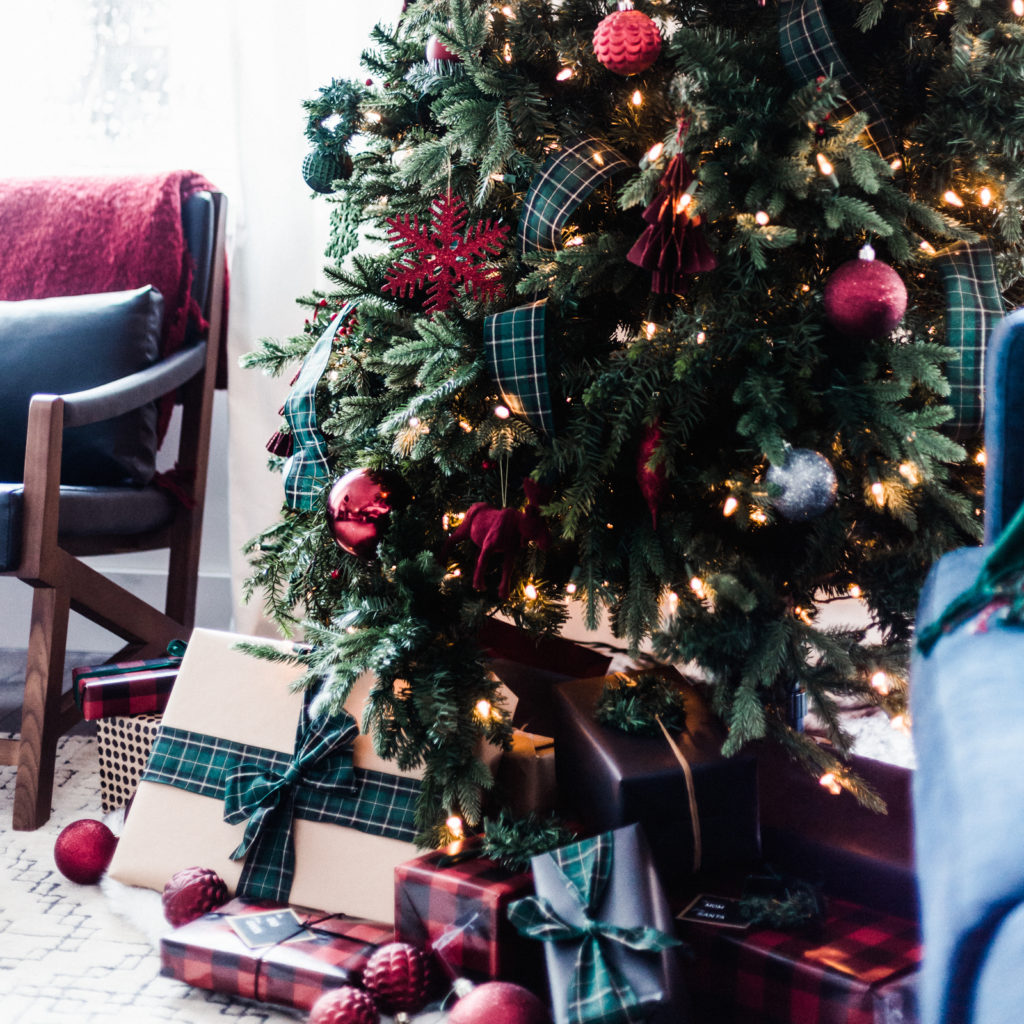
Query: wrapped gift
123	746
525	777
242	781
126	687
607	931
269	952
698	808
855	969
456	901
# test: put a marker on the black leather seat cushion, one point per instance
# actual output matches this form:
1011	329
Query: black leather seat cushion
86	511
71	343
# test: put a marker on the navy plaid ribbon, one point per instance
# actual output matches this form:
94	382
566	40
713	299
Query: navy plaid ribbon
307	473
597	991
268	789
974	304
809	50
515	350
565	180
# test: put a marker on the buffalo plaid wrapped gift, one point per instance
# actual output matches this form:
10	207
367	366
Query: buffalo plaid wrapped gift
607	932
127	687
456	901
852	970
318	953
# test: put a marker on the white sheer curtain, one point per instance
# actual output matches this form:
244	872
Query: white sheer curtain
91	86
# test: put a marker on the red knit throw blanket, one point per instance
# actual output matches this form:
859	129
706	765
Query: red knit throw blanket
76	236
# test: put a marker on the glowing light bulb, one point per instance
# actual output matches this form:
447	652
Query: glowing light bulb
414	421
673	599
502	412
878	493
507	11
949	196
650	329
854	591
697	586
980	457
683	202
1018	8
658	148
896	164
374	116
598	159
637	98
466	426
928	248
575	240
759	517
881	683
531	592
985	193
942	6
564	75
909	473
831	783
484	708
730	506
900	722
454	825
508	52
824	165
761	217
570	588
701	337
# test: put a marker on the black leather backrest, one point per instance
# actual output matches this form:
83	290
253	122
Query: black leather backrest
197	216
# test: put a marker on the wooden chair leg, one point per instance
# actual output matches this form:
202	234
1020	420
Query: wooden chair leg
41	708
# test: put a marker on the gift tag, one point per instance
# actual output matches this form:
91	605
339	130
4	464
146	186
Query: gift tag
720	910
269	927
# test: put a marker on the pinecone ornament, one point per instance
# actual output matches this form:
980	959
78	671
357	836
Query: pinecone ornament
192	892
398	977
345	1005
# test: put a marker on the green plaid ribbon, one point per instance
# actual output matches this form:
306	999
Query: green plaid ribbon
597	992
809	50
307	473
974	304
515	350
268	789
565	180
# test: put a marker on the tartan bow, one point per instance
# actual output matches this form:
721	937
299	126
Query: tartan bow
262	795
598	992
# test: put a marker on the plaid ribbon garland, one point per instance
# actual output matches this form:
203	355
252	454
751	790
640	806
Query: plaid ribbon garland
597	991
268	789
515	350
809	50
974	303
565	180
307	473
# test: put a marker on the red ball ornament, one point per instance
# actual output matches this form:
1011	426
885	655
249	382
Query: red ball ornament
627	42
83	851
865	298
358	506
499	1001
437	52
345	1005
192	892
398	977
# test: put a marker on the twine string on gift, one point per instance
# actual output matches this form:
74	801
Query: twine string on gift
598	989
691	794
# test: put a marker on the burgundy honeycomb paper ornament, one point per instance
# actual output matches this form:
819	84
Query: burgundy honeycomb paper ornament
345	1005
192	892
627	41
398	977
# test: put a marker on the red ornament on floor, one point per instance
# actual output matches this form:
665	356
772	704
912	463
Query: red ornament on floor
499	1001
345	1005
398	977
192	892
627	42
83	851
865	298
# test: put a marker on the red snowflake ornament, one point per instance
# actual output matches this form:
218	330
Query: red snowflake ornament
443	257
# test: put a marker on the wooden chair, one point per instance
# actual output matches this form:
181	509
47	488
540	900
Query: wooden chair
58	524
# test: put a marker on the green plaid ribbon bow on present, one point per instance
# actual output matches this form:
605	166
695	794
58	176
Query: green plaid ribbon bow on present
598	992
809	49
268	790
974	304
307	473
565	180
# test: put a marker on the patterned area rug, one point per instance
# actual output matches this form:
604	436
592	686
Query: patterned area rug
89	954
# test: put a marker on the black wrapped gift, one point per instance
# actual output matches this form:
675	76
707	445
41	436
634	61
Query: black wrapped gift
609	944
607	778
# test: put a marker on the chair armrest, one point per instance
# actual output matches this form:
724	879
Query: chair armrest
120	396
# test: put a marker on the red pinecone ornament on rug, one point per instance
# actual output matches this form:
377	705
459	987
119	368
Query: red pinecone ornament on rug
398	977
627	42
83	851
192	892
345	1005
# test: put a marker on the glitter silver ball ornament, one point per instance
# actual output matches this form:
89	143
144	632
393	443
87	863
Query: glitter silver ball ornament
808	485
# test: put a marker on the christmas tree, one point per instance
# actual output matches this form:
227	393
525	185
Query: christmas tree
604	327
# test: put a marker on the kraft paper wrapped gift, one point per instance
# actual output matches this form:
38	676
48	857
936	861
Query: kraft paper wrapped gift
229	707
